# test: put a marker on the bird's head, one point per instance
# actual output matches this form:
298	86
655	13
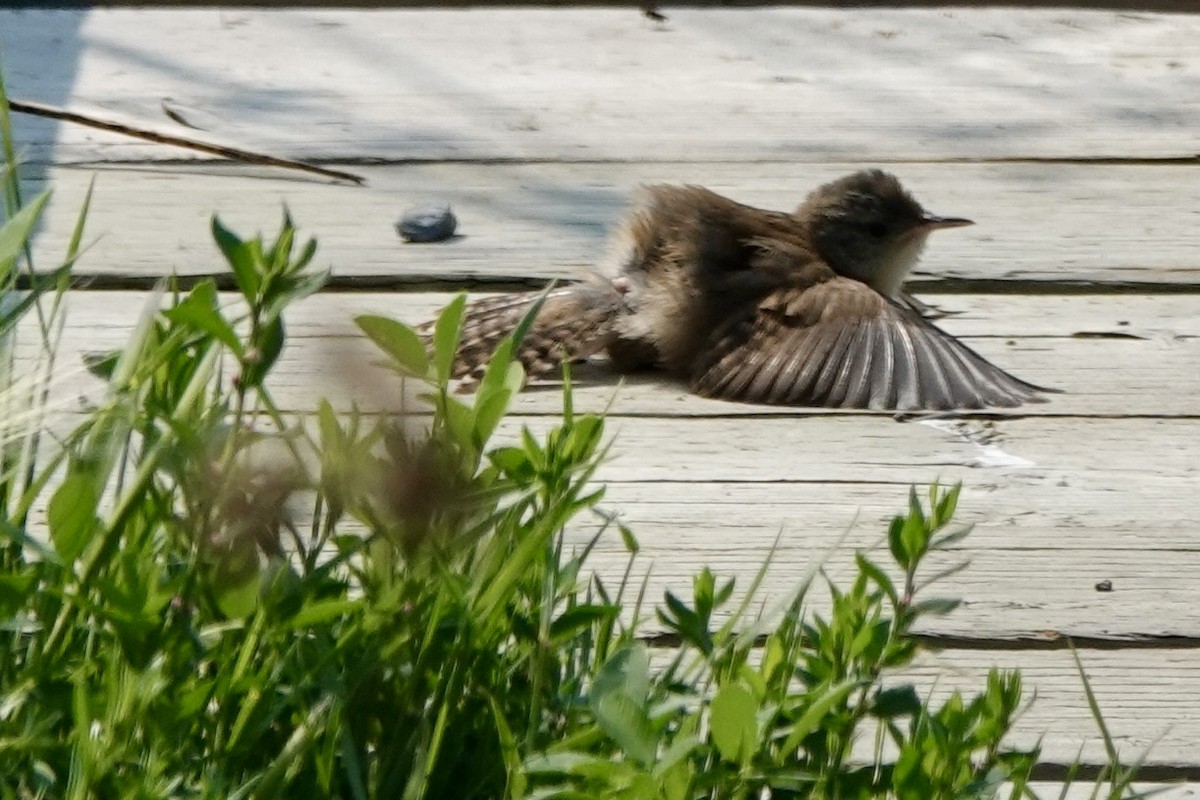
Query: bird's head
867	227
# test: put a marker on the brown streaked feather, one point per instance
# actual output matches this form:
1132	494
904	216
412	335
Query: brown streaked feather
841	344
574	322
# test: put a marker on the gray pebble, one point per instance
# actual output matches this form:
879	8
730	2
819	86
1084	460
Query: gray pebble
427	224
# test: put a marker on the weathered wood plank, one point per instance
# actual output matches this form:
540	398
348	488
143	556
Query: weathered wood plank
1044	594
808	84
1037	553
1034	572
1055	497
1047	531
1148	699
1065	222
1085	790
1111	355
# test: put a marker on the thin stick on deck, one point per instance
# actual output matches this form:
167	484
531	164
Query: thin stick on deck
234	153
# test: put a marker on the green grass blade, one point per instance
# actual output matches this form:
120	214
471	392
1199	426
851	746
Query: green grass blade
1110	747
15	234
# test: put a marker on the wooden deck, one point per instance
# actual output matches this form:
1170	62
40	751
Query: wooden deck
1072	137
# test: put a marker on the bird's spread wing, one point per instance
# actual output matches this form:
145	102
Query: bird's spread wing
841	344
574	322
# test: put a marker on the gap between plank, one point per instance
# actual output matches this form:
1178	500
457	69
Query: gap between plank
1185	159
1168	6
938	642
417	284
1146	773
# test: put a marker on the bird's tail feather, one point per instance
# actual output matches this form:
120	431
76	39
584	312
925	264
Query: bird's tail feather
573	323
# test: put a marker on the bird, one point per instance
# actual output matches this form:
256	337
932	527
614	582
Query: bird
750	305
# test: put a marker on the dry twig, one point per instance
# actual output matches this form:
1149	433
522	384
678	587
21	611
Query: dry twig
234	153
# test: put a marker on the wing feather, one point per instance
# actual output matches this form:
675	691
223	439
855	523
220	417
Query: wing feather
883	375
907	376
857	375
934	383
838	343
836	362
811	354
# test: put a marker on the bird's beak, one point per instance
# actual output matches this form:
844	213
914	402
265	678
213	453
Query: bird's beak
932	223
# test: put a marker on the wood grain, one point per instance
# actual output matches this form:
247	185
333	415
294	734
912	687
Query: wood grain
784	84
1071	224
1093	486
1147	698
1113	356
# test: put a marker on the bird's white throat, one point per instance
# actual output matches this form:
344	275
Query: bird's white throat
889	274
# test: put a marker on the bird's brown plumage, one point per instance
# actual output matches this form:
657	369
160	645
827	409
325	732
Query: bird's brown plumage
762	306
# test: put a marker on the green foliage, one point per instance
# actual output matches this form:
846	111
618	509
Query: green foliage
734	716
183	637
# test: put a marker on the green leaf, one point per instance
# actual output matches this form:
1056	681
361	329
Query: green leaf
293	756
17	304
102	365
399	341
896	701
942	574
512	461
680	749
198	311
460	422
306	256
626	672
14	591
509	750
585	435
332	437
495	374
72	515
685	622
733	723
628	539
896	542
445	337
579	617
241	258
522	329
322	611
915	533
281	250
298	289
702	592
872	571
816	713
489	411
563	762
514	378
1114	756
77	231
270	346
943	507
773	656
951	537
934	605
724	592
626	723
237	595
15	233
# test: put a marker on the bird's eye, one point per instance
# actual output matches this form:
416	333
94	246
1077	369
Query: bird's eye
877	229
